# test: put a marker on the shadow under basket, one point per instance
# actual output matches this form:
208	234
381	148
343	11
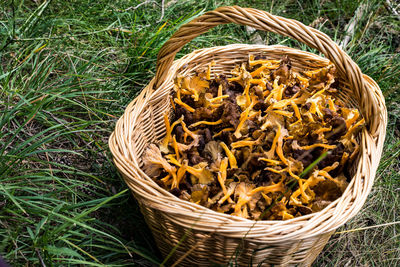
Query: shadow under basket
201	236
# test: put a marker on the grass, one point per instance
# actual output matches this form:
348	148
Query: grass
68	69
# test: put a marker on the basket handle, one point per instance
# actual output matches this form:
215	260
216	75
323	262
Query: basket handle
263	20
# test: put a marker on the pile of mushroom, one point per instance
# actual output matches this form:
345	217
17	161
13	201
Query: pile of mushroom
266	143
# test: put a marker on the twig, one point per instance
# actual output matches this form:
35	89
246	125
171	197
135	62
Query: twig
162	12
57	120
148	2
350	27
40	257
368	227
141	4
391	9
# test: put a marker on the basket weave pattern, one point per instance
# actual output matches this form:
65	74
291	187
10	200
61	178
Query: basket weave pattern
205	235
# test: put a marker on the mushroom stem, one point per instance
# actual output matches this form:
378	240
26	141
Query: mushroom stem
231	156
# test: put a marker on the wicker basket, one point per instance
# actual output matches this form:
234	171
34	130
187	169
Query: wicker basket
201	236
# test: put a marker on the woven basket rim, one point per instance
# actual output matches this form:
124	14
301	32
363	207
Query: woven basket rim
230	222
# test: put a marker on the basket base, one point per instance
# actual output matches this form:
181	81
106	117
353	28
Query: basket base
201	248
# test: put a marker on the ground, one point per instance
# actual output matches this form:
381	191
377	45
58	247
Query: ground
69	68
